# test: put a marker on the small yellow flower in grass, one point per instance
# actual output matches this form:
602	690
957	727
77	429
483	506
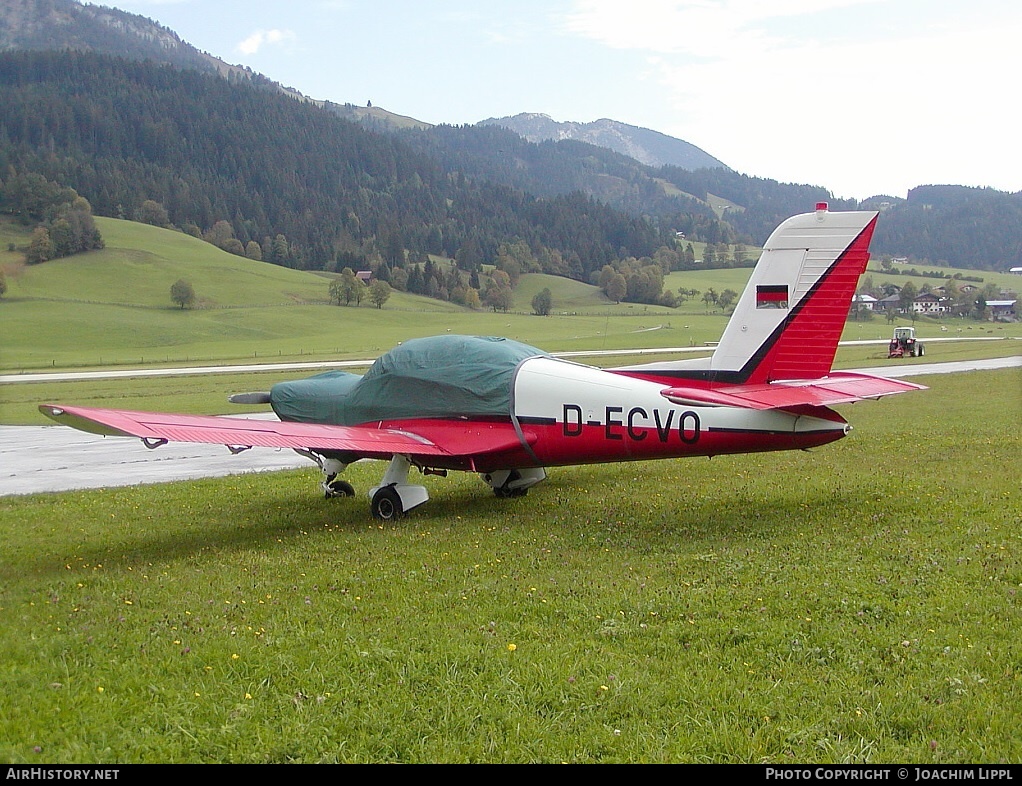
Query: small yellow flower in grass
248	695
99	689
235	656
512	647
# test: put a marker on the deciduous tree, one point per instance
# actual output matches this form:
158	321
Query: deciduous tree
379	293
542	302
40	248
616	287
181	292
152	212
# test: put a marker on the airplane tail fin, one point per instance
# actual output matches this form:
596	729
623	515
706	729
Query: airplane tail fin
789	319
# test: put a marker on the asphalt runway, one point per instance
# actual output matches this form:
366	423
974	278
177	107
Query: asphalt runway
55	458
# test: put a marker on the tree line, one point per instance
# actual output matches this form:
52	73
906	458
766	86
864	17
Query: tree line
62	219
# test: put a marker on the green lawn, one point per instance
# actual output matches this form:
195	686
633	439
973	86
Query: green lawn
113	308
854	604
857	603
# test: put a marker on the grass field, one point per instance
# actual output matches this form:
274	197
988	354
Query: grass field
112	308
859	603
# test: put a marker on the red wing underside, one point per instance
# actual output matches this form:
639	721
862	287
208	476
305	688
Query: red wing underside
835	389
436	438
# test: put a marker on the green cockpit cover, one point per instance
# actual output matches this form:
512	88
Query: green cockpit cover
438	377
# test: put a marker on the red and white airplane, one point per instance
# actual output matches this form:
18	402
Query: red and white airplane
507	411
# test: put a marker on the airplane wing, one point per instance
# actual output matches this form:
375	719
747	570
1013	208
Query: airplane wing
438	438
837	388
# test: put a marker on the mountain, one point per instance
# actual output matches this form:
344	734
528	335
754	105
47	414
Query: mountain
64	24
645	146
434	187
235	162
48	25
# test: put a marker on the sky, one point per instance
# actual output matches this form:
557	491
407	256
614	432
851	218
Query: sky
863	97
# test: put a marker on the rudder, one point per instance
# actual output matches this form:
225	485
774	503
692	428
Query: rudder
789	319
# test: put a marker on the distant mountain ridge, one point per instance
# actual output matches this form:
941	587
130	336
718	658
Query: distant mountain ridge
648	147
616	165
47	25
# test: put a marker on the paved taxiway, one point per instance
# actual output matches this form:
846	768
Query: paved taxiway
56	458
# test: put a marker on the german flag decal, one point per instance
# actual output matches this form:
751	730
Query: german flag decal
772	296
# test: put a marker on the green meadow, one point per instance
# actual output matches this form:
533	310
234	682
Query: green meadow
854	604
112	308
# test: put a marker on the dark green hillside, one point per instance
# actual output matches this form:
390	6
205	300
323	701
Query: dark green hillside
977	228
678	199
208	150
552	168
764	203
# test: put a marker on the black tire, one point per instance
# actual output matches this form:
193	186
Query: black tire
502	492
386	504
340	488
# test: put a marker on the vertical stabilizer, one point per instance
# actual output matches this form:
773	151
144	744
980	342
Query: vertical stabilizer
789	318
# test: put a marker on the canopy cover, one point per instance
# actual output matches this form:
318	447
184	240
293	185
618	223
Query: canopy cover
438	377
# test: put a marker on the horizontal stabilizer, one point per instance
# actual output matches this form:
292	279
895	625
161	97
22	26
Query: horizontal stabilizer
838	388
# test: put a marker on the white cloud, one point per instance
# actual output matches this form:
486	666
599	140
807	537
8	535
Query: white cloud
261	38
704	28
859	95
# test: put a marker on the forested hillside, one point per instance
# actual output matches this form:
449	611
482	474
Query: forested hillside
315	190
978	228
550	169
55	25
237	160
676	198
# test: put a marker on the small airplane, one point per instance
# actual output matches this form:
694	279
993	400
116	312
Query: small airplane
508	411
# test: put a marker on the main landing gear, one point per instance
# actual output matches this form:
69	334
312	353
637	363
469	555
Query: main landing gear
510	483
390	500
395	496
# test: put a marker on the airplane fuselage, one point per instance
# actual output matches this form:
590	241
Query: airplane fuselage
565	413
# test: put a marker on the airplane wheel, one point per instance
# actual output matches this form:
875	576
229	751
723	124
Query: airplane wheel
386	504
506	493
339	488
